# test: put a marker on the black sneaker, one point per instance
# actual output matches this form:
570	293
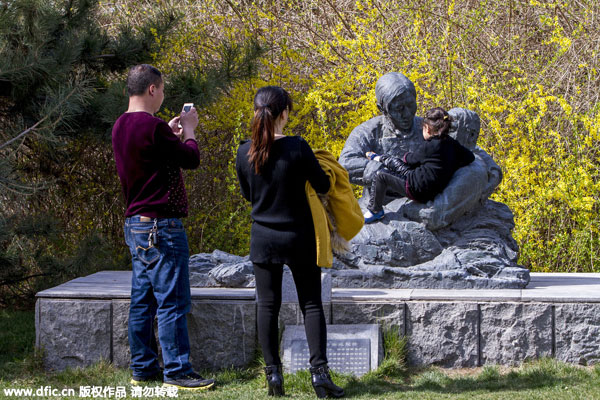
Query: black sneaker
191	381
138	380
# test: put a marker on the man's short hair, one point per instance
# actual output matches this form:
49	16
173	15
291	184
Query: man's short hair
141	77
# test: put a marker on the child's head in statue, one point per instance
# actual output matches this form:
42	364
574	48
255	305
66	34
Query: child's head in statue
465	127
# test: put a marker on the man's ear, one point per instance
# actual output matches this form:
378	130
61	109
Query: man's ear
151	89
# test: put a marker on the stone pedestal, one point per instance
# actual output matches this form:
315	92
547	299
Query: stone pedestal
85	320
558	315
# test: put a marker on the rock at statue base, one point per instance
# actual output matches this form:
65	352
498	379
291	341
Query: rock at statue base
476	251
220	269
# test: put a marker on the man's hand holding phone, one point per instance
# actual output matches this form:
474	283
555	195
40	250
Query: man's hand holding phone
184	125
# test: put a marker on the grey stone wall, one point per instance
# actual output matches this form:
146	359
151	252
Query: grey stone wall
222	334
80	332
577	333
443	334
120	343
475	333
512	333
73	333
387	315
449	328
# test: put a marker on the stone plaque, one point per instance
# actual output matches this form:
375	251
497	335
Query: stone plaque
352	356
352	349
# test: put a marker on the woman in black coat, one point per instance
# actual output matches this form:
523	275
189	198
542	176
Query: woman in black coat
273	170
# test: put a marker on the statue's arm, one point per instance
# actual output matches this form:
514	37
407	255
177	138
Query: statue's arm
360	169
464	155
494	172
463	194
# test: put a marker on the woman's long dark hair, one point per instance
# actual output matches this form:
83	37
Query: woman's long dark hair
269	103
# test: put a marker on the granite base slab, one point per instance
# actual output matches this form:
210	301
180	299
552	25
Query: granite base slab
557	315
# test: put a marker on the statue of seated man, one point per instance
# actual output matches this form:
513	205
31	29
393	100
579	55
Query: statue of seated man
399	130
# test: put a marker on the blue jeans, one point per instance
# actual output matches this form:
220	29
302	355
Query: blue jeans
160	287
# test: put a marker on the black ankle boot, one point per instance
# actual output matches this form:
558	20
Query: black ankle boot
322	383
275	380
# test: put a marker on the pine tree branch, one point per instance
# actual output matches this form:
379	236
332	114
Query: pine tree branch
6	282
13	71
26	190
32	128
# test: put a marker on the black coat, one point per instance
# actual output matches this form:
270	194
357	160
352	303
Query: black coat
282	227
429	169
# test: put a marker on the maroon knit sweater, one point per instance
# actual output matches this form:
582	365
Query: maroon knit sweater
149	159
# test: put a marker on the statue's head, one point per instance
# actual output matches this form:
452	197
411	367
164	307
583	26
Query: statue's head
465	127
397	100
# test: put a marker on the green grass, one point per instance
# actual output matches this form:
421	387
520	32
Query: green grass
545	379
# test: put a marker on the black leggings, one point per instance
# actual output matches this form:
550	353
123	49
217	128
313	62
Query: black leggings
268	289
384	181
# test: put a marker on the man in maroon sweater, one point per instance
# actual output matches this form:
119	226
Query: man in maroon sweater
149	155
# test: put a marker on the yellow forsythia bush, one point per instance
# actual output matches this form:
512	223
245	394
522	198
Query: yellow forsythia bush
529	68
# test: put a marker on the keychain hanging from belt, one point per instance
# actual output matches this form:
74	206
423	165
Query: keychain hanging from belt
153	236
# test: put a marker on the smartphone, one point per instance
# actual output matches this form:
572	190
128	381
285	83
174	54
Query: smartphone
186	107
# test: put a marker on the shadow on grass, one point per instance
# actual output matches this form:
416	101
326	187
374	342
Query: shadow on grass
372	387
535	375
